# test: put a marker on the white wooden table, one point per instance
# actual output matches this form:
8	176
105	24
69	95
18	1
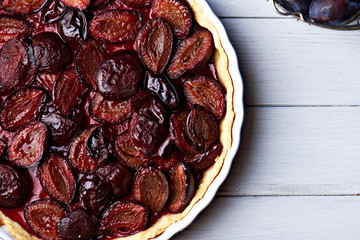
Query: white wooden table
297	173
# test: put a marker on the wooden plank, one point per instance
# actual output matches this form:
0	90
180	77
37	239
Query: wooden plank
243	8
297	151
285	62
274	218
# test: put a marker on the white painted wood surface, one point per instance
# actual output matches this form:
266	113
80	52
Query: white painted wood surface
297	173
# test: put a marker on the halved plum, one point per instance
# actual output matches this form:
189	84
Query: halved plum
29	145
151	188
202	128
88	150
78	224
87	60
191	54
53	12
62	128
146	134
137	3
79	4
116	26
16	68
163	89
73	28
12	27
50	52
149	107
206	93
46	81
182	188
22	107
118	77
128	153
118	177
154	45
94	193
57	178
176	13
68	91
15	186
205	160
124	218
178	132
42	216
107	111
22	7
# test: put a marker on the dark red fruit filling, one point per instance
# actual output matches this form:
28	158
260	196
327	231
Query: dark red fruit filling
112	144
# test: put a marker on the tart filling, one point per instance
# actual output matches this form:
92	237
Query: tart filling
119	109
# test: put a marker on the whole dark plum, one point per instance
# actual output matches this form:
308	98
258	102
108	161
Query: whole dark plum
334	12
301	6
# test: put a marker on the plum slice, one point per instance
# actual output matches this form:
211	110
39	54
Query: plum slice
146	134
176	13
50	52
29	144
53	12
182	187
119	76
46	81
94	193
88	150
137	3
202	128
57	178
154	45
16	68
68	91
206	93
124	218
42	216
107	111
79	4
118	177
149	107
73	28
12	27
116	26
87	60
78	224
22	7
151	188
22	107
178	132
62	128
164	90
191	54
205	160
15	186
128	153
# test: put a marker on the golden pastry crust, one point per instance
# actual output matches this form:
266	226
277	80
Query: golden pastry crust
222	65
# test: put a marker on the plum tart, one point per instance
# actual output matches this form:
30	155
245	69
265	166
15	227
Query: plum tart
116	116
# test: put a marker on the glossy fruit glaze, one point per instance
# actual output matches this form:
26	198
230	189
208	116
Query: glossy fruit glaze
207	71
